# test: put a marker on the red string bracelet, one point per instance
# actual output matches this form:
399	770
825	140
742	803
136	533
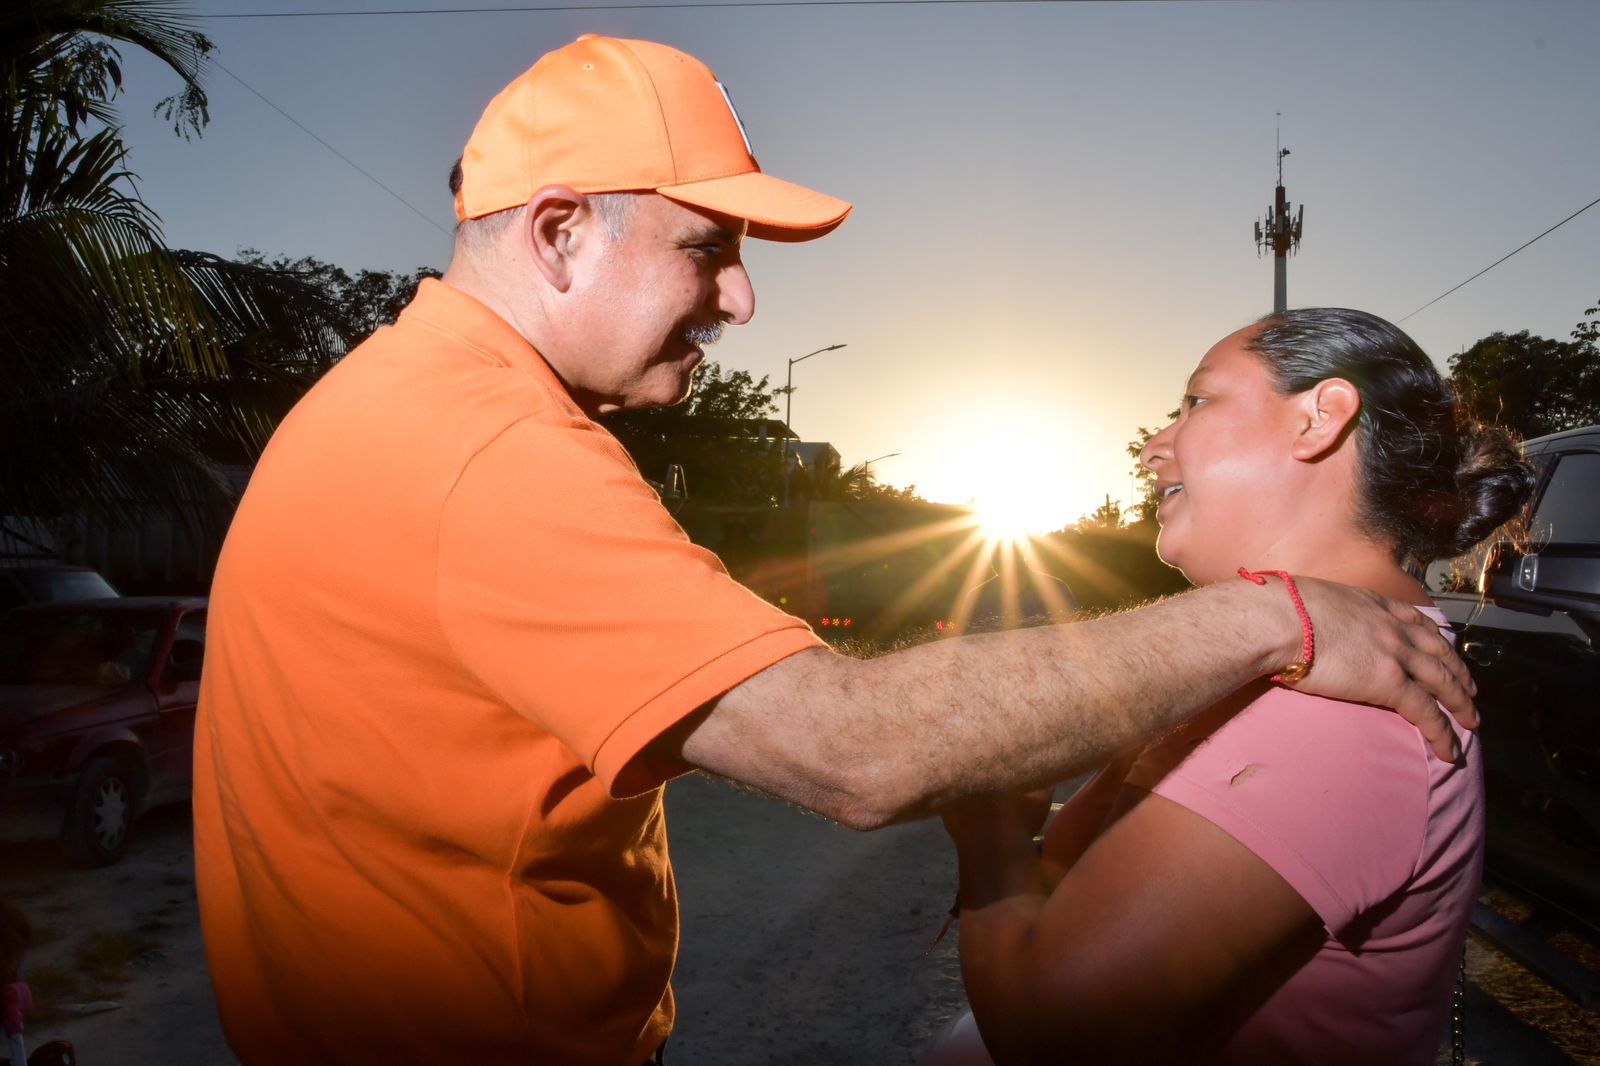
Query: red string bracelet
1308	650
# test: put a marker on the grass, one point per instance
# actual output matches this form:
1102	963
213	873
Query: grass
45	934
51	986
100	966
104	957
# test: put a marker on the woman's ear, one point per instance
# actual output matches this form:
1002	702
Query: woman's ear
1328	412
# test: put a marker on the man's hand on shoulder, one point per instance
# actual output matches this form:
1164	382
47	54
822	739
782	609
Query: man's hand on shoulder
1377	650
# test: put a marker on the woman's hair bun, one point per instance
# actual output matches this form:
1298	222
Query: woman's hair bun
1493	480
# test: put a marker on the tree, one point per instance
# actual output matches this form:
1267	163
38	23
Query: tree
1587	332
1531	384
722	436
361	302
127	369
61	67
1107	516
1143	511
877	490
832	482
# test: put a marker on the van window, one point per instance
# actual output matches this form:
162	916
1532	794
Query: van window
1569	510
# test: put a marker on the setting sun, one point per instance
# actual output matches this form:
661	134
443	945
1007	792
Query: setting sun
1008	476
1011	509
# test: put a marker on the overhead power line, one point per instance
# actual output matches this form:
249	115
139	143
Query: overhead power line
351	162
616	6
1502	259
640	5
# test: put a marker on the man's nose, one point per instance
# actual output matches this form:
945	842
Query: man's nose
736	297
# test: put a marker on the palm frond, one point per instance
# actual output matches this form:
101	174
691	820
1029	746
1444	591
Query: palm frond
93	278
62	47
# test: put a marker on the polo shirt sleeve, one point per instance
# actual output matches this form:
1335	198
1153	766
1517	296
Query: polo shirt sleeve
568	591
1333	796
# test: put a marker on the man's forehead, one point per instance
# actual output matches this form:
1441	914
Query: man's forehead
697	222
718	227
732	229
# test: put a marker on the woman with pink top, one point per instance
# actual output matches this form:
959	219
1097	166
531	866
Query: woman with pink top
1286	879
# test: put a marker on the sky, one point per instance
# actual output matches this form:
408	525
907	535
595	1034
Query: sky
1053	201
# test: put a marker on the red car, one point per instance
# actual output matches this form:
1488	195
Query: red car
97	703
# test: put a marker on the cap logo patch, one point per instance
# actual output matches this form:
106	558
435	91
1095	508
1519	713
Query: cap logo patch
737	121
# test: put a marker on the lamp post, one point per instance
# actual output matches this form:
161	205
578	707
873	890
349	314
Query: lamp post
867	466
788	407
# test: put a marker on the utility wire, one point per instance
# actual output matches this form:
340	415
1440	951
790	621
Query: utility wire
1497	262
308	132
638	5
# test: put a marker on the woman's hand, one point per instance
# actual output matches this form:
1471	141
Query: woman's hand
979	821
995	852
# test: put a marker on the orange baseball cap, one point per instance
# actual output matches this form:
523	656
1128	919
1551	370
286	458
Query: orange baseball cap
611	115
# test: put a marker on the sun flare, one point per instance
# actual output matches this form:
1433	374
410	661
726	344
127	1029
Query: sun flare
1016	500
1008	512
1012	476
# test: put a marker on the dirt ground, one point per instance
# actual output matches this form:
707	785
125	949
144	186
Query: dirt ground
803	945
125	940
802	942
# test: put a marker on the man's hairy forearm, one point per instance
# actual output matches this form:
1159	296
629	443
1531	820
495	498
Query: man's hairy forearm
876	741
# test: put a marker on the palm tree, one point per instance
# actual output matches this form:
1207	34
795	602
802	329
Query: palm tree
128	370
831	482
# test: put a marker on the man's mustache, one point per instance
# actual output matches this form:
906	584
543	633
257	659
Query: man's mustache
701	334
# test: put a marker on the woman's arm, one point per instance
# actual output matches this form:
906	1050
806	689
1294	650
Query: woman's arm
1083	817
1164	934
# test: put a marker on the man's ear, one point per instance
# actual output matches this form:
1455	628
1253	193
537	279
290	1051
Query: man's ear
551	232
1328	413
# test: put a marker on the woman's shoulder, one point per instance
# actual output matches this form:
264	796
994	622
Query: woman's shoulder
1270	721
1335	796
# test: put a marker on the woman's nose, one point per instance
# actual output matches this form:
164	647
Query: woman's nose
1157	449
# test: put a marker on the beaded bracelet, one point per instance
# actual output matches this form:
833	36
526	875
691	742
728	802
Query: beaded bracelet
1308	650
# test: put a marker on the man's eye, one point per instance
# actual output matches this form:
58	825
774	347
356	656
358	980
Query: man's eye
1191	401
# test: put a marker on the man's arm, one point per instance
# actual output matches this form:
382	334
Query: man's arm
872	742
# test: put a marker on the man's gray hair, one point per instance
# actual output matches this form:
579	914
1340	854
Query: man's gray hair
614	209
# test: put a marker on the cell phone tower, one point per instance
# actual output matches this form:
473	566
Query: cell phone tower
1281	233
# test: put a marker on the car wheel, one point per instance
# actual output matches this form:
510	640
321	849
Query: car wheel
102	810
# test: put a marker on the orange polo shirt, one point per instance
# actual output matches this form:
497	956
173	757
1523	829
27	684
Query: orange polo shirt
448	618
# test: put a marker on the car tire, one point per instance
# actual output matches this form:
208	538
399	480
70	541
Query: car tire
96	833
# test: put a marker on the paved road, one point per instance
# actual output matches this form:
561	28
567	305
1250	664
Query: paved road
803	946
804	943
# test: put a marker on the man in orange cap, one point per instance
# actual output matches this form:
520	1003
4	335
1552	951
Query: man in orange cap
457	646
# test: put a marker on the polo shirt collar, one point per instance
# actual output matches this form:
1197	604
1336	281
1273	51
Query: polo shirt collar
448	310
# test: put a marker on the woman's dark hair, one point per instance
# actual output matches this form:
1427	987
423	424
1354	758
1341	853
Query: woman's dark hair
1433	481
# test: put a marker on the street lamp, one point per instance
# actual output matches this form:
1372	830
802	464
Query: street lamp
788	407
867	466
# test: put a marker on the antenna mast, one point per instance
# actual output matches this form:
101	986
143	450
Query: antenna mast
1280	232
